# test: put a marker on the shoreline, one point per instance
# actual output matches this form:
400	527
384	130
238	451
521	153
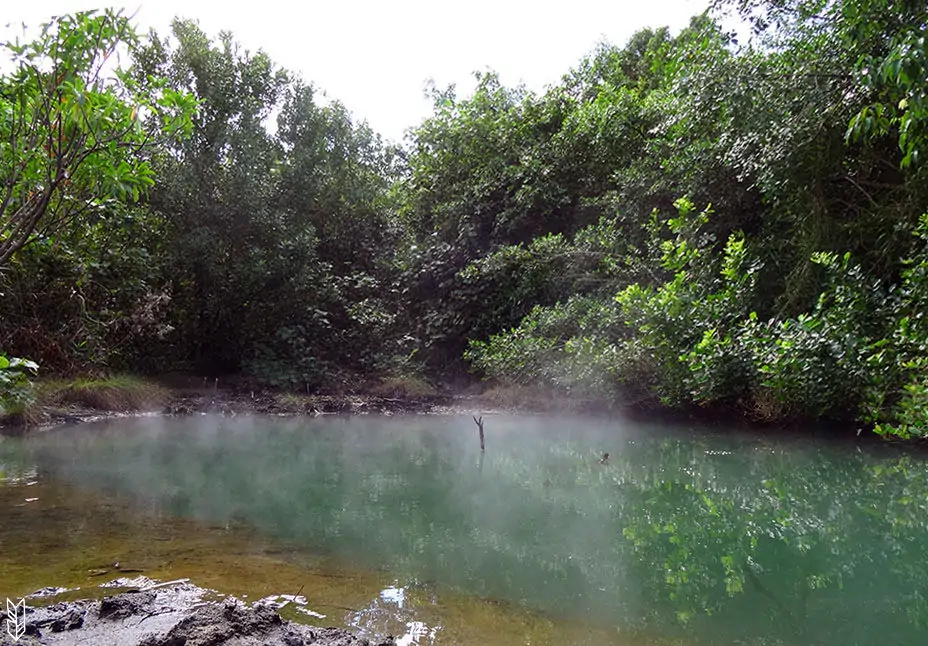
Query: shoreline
230	401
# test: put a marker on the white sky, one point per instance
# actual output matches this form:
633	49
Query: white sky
376	56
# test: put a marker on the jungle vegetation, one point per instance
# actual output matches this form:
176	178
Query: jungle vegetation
685	220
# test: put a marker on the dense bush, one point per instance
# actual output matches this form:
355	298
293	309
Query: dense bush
856	354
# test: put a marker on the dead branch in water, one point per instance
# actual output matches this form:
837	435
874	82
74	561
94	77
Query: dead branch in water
479	423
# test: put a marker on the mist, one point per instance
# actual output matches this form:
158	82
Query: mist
681	534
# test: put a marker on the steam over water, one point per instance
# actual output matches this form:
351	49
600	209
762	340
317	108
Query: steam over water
680	534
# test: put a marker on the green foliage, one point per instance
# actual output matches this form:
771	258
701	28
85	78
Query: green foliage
778	322
275	245
566	341
894	74
73	130
16	390
815	365
687	322
694	339
102	305
897	393
568	346
500	169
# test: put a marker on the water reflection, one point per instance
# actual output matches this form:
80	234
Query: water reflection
715	539
13	475
389	614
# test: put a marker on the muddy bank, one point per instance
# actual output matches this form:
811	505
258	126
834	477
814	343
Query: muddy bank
172	614
231	403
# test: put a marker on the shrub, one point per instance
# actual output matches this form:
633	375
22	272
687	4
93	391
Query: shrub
16	390
567	346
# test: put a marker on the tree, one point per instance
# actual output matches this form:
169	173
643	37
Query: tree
333	177
217	192
274	240
74	128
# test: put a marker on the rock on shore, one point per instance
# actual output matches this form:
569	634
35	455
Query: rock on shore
174	615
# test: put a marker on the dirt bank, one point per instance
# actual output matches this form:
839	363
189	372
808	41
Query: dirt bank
228	402
173	614
236	402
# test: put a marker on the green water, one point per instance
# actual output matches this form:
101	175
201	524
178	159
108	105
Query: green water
682	536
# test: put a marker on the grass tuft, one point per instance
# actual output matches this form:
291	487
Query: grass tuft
403	388
119	393
295	403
